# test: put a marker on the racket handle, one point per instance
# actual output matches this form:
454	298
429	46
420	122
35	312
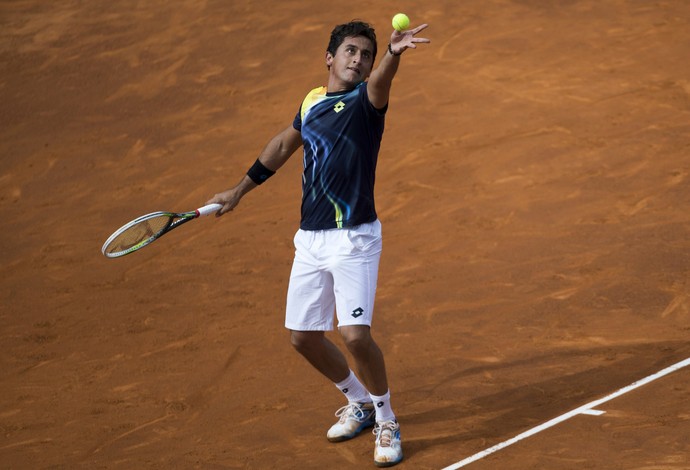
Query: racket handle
208	209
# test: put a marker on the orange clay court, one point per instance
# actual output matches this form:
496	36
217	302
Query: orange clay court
533	187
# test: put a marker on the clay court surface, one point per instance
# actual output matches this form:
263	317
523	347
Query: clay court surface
533	190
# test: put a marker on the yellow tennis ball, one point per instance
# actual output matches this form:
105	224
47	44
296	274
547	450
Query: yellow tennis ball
401	22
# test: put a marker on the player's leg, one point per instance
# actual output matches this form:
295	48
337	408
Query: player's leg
321	353
368	357
371	367
355	280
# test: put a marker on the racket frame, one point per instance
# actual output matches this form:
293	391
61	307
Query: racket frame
175	219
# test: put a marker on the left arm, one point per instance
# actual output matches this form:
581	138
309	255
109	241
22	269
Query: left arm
381	79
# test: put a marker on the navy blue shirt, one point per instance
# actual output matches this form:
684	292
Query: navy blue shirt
341	134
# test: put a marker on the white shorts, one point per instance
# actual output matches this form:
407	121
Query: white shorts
333	270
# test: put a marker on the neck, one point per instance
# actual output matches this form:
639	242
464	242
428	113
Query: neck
335	86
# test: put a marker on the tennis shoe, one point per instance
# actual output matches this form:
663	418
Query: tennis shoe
388	446
353	418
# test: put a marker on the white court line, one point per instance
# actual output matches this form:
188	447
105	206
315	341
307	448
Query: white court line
585	409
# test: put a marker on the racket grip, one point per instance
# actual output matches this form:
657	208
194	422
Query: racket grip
208	209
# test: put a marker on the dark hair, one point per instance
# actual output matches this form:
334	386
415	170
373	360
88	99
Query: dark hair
350	30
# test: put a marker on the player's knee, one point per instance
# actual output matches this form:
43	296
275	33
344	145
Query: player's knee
358	341
305	341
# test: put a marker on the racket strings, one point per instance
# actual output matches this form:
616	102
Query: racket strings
138	233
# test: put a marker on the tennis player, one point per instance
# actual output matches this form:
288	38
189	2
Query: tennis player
338	244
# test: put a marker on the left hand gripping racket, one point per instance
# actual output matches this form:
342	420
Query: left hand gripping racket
144	230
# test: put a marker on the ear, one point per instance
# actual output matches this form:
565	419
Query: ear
329	59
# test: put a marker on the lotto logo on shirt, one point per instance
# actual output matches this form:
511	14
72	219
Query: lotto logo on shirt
339	106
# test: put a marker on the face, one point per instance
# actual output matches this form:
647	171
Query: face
351	64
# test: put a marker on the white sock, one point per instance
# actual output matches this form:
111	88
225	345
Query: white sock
384	412
353	389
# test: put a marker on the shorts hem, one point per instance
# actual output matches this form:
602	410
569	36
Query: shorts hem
355	323
294	327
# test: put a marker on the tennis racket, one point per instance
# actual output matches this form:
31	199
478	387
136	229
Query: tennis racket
146	229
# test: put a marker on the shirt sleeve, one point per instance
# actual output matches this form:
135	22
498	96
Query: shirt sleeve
365	96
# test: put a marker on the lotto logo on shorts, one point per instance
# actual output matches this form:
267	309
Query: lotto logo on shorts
358	312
